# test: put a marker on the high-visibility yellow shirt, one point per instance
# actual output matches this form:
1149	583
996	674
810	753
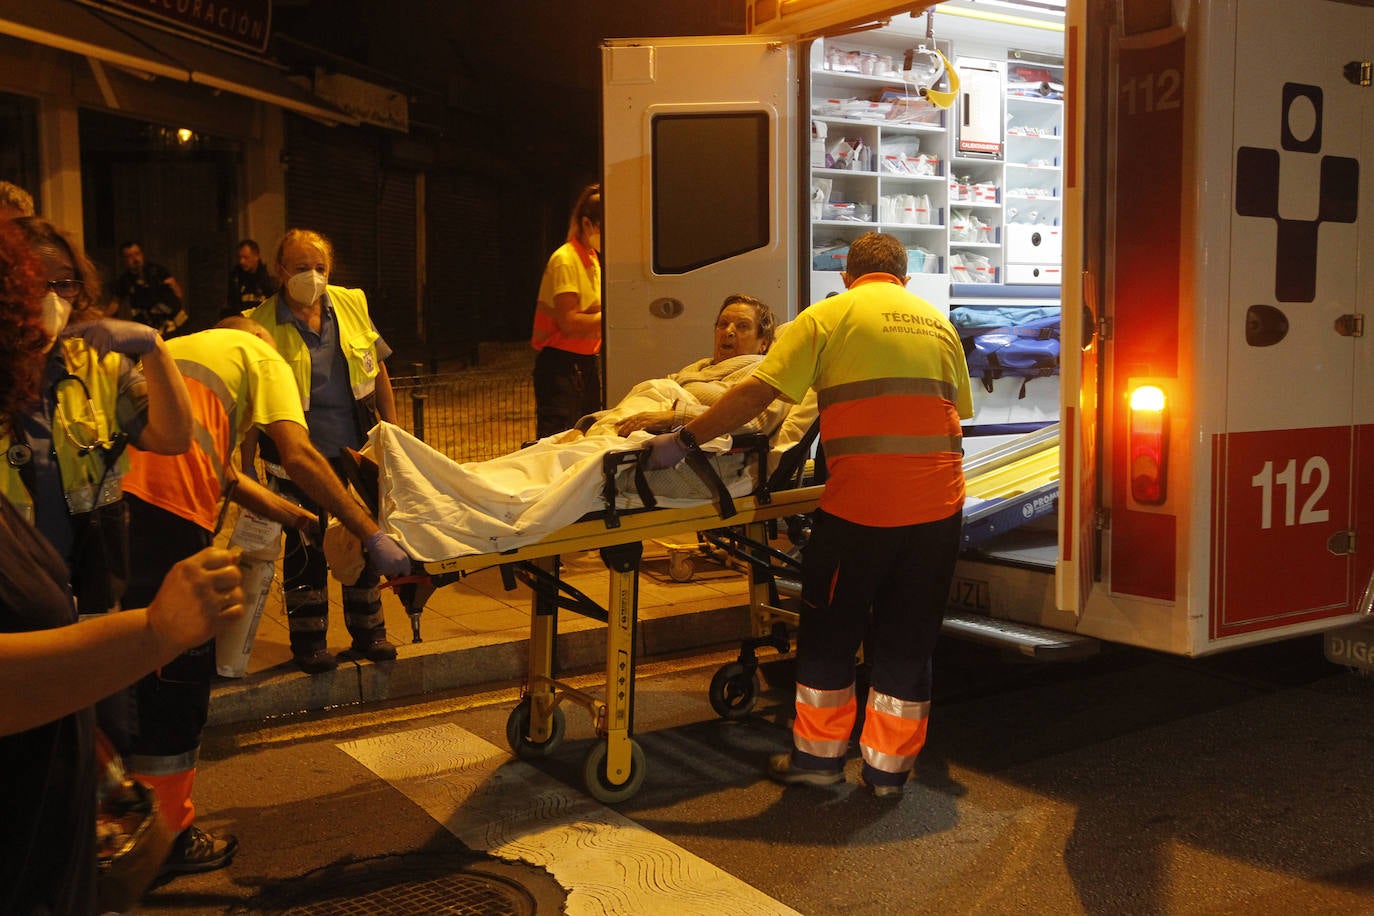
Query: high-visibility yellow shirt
573	268
236	382
892	384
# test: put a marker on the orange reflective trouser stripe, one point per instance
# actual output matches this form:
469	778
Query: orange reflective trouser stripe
173	792
824	721
894	732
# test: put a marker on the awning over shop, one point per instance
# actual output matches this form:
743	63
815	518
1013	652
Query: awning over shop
121	42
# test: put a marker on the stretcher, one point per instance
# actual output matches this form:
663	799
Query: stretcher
614	768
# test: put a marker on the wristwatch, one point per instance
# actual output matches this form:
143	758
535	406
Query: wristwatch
684	435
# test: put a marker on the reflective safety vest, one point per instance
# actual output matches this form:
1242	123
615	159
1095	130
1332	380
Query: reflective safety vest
84	434
356	337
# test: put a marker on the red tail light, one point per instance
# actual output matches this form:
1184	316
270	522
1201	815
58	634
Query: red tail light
1149	445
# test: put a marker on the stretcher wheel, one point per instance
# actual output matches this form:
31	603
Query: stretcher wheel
518	730
734	690
599	785
680	567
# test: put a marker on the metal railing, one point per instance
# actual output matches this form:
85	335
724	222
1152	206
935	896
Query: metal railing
469	415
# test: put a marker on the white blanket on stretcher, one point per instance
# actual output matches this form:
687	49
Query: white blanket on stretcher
439	509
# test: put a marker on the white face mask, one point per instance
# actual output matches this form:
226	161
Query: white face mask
594	240
56	311
306	286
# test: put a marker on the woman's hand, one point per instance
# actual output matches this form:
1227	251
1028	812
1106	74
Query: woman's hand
199	598
655	421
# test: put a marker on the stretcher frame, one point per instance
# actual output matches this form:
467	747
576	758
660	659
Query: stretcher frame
615	767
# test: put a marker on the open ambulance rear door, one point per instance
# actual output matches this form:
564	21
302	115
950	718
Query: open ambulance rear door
700	154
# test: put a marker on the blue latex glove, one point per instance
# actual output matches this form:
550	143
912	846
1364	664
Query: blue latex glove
665	451
387	556
108	334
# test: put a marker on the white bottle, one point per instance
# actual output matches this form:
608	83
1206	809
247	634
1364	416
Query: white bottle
260	539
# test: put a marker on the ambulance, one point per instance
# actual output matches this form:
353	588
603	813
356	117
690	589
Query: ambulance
1208	486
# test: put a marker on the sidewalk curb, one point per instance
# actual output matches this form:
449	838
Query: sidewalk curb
425	668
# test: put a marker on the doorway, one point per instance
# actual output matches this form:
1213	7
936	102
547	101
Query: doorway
172	190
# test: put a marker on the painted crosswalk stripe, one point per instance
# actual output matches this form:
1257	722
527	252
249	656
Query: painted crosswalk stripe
494	804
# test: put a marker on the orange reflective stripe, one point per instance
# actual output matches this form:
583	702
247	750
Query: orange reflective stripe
824	720
894	732
173	791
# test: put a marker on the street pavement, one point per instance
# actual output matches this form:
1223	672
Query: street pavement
476	632
1131	782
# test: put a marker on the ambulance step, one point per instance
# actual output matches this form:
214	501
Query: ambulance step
1034	642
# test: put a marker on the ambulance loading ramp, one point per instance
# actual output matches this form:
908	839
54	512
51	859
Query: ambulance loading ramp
1010	486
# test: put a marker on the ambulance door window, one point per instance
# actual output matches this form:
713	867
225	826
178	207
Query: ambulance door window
710	188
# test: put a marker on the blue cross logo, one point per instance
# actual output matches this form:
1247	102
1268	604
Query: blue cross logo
1257	194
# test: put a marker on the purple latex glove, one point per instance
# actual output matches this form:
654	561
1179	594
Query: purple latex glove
387	556
665	451
108	334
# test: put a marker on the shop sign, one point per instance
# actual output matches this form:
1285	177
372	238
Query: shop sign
241	24
368	102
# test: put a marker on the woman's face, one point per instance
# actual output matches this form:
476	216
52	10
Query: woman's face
737	332
591	234
59	271
304	269
299	257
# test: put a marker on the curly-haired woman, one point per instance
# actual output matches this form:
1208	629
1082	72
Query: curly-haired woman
103	384
52	668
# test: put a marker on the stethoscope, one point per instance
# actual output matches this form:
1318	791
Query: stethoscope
21	453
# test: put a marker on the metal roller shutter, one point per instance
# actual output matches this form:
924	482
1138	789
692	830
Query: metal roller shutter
394	302
332	181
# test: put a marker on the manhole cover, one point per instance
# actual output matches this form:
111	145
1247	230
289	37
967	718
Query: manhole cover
448	885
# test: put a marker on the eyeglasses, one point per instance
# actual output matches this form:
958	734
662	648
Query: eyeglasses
67	289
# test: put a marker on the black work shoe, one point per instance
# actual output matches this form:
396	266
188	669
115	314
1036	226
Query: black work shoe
316	661
195	851
782	769
373	648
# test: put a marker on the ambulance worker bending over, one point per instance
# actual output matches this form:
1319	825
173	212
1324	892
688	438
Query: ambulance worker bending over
52	668
337	357
892	384
238	382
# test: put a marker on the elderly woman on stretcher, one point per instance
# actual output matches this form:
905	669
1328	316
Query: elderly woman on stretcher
743	333
437	508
